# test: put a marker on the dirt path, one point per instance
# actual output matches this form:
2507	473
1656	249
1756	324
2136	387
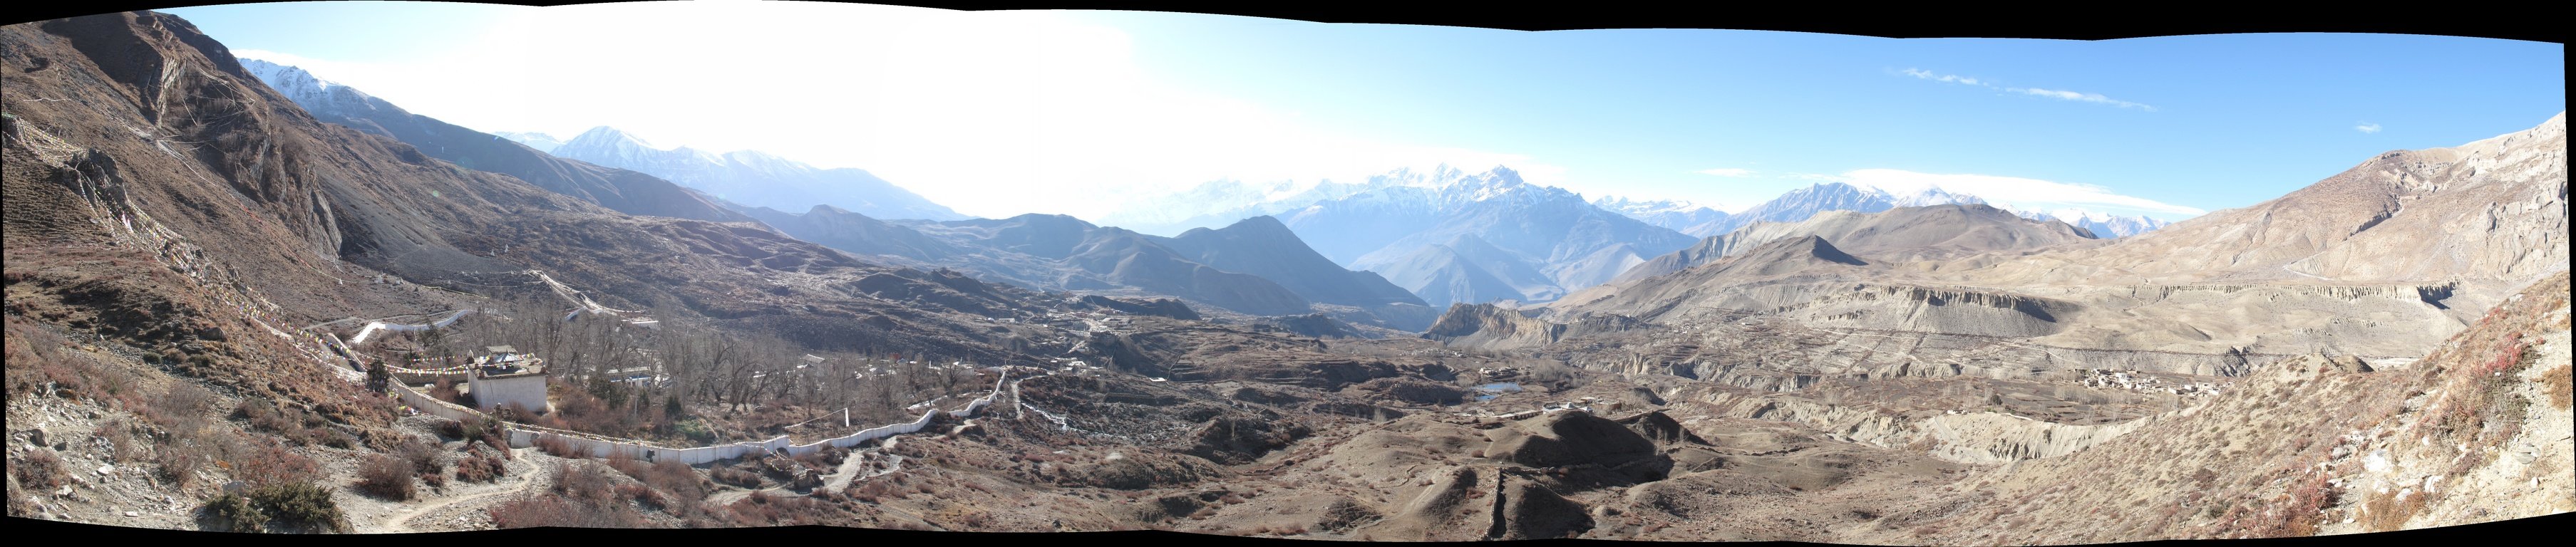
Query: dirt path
401	522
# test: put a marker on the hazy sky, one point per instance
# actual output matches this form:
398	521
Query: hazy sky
1001	113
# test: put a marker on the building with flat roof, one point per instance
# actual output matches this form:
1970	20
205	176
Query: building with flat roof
505	379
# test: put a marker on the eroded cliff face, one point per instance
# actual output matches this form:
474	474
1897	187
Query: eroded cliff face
1491	327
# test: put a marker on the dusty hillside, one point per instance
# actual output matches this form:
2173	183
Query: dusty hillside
2497	207
1904	234
2472	433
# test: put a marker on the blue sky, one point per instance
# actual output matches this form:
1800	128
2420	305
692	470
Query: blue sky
1003	113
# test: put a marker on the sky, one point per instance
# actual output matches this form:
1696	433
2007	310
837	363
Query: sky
1077	112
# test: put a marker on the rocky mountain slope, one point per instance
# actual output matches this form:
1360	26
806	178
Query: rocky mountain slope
1264	247
2472	433
1255	267
2167	290
304	208
622	190
754	178
1907	234
2495	207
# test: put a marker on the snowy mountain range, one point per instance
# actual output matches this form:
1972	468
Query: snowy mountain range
1679	216
2104	225
754	178
1456	237
1798	205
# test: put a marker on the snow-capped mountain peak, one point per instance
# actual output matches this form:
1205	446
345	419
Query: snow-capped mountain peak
1677	215
540	141
311	92
754	178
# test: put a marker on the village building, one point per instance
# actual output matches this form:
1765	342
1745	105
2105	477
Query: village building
504	377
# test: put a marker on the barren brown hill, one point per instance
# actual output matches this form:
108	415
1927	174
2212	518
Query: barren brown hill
2475	432
2494	209
1904	234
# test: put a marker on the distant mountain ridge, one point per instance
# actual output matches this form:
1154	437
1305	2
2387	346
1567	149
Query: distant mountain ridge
1678	216
619	189
540	141
1256	266
1903	234
755	178
1497	231
2103	225
1797	205
1219	203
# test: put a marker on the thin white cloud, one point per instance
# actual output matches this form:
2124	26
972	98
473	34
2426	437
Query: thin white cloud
2032	91
2085	97
1950	78
1727	172
2366	127
2016	193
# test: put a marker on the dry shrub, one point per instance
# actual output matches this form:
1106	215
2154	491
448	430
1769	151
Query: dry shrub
120	439
481	467
2384	512
299	504
272	464
2299	517
179	460
583	482
39	468
542	511
641	495
423	457
181	410
558	446
762	509
735	476
386	477
2560	387
446	390
451	429
669	476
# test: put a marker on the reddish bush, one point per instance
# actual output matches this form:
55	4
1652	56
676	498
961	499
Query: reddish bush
540	511
640	494
735	476
386	477
274	464
479	468
560	447
582	481
180	460
424	458
39	468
